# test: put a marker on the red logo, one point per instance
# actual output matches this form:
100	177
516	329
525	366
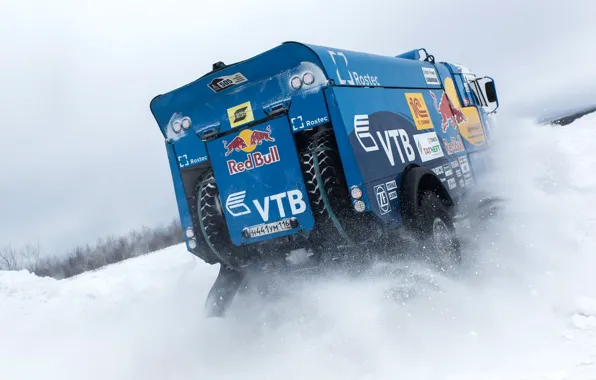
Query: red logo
247	141
455	146
448	112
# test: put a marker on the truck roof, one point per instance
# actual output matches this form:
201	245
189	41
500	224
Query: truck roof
341	67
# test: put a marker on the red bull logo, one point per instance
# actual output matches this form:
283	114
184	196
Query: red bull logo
454	146
449	113
247	141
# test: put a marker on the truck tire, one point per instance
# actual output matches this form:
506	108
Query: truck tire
425	212
210	222
337	208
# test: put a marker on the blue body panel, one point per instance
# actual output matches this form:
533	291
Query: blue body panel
387	113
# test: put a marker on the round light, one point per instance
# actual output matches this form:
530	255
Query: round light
359	206
190	233
356	192
308	78
177	126
186	123
296	83
192	244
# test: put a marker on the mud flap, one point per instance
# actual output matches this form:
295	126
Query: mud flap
223	291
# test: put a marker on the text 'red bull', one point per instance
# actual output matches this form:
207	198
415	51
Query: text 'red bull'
254	160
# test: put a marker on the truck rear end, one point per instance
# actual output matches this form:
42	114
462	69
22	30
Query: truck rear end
234	157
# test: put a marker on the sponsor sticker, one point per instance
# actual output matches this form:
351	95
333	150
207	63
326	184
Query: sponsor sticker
452	184
465	167
428	146
462	183
298	123
382	199
241	114
458	173
454	145
221	83
247	141
392	195
419	111
438	170
391	185
454	164
447	170
430	75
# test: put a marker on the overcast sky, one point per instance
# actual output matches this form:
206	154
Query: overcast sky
81	155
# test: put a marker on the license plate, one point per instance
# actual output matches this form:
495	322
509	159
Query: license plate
269	228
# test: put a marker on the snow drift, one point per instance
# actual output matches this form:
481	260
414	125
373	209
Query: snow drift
524	306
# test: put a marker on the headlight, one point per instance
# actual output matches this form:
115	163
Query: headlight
356	192
359	206
190	233
186	123
308	78
192	244
296	83
177	126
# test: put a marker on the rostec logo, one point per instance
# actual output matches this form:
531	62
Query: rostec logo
354	77
419	111
399	138
382	199
237	207
247	141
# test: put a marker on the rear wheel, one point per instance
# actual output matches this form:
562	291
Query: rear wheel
328	193
208	216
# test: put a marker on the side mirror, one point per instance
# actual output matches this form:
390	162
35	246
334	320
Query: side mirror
491	92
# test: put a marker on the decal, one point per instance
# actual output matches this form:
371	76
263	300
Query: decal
454	146
352	78
391	185
471	129
392	195
235	204
294	199
458	173
247	141
428	146
298	124
438	170
447	170
430	75
462	183
465	166
454	164
382	199
362	130
241	114
452	184
450	115
419	111
221	83
388	139
184	161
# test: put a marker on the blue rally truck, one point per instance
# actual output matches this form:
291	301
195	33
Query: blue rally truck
319	153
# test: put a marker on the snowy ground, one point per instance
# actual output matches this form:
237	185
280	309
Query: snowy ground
523	308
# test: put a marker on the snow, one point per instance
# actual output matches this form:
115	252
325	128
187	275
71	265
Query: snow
523	307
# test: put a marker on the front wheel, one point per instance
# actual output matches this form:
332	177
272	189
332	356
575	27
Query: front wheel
437	231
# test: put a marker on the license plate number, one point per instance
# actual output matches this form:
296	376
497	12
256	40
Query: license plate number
269	228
